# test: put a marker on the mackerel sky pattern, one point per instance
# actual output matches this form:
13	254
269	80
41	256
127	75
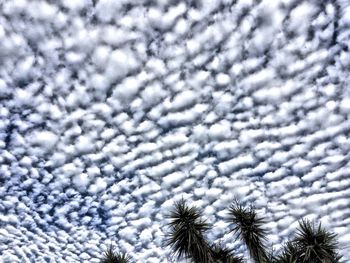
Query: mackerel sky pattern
111	110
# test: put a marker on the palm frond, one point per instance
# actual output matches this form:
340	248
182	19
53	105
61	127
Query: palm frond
249	227
110	256
316	244
186	233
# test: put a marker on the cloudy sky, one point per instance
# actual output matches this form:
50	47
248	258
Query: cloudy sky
111	110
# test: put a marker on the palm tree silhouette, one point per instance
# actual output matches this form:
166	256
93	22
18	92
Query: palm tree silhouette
249	227
110	256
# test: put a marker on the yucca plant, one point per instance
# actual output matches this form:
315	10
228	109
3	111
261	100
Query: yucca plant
290	254
186	236
315	244
312	244
110	256
221	254
249	228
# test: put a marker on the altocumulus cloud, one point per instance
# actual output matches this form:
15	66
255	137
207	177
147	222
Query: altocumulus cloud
111	110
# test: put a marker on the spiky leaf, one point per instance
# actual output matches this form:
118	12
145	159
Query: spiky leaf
289	254
316	244
186	233
224	255
249	227
110	256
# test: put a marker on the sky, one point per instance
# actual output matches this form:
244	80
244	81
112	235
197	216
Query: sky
112	110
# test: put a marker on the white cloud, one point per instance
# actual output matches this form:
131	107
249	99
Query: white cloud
119	64
111	110
223	79
45	139
173	179
220	130
84	144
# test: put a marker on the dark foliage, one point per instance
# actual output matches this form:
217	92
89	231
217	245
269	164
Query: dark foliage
110	256
290	254
315	244
186	236
224	255
249	227
312	244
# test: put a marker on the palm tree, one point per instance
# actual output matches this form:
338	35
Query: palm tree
315	244
112	257
249	227
186	236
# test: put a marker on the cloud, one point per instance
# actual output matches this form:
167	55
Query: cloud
111	110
